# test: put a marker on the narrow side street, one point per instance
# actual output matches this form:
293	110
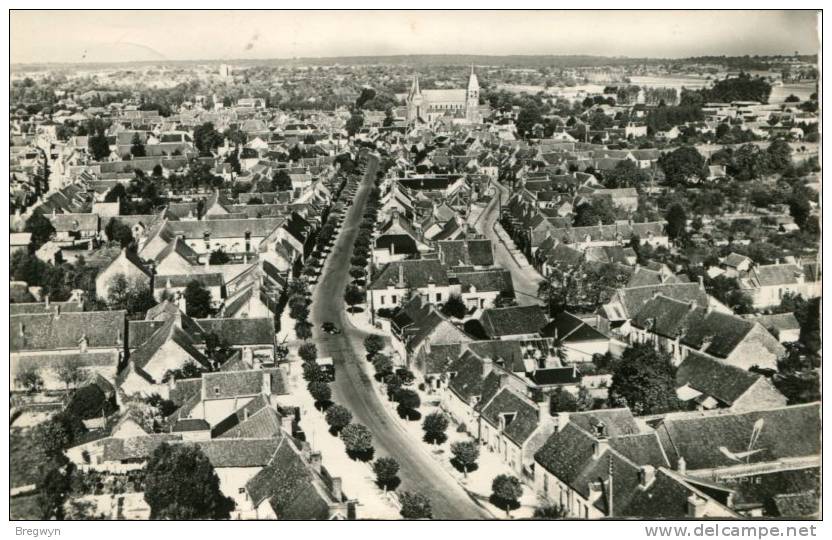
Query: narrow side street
525	277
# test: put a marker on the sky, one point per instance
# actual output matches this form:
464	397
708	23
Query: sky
110	36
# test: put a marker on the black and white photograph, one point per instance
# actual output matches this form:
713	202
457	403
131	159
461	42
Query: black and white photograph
386	265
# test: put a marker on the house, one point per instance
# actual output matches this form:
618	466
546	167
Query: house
679	328
766	285
735	265
480	289
756	457
579	340
476	253
710	383
627	301
74	227
126	264
397	240
596	462
399	279
92	341
516	322
783	326
514	427
425	339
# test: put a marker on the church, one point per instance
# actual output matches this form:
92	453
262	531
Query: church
428	105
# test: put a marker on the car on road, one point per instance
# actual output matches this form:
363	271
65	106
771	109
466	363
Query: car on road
330	328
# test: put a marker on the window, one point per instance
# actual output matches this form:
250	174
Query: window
545	483
393	300
241	490
381	299
438	297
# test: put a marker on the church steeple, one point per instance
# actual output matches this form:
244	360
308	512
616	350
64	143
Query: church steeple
472	99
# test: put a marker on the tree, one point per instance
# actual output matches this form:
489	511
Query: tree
415	506
677	223
373	343
434	426
54	486
180	483
599	210
308	352
29	378
408	401
387	470
383	365
189	370
353	295
682	166
137	146
303	329
314	372
69	373
550	511
41	230
58	433
506	490
529	116
219	256
206	138
281	181
455	307
134	297
626	174
644	380
320	391
358	441
338	417
466	454
197	300
99	146
355	123
117	231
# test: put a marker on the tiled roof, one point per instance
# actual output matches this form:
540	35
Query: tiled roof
712	332
485	280
708	441
263	424
239	332
230	384
525	414
466	252
513	320
634	298
468	378
715	378
51	331
239	452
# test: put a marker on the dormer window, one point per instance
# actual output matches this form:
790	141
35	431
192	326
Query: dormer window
206	237
216	390
507	419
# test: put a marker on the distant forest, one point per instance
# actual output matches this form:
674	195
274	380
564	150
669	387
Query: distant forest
521	61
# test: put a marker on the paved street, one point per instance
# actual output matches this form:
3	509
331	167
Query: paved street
352	387
525	278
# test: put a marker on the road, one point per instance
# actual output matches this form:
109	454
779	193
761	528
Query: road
353	388
525	278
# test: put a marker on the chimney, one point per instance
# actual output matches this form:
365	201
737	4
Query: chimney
46	301
427	345
266	389
487	366
315	460
245	413
646	475
22	330
401	276
696	506
702	282
544	414
681	466
207	260
561	420
336	489
286	422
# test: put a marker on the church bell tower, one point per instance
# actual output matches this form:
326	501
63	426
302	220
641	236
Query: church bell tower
472	99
